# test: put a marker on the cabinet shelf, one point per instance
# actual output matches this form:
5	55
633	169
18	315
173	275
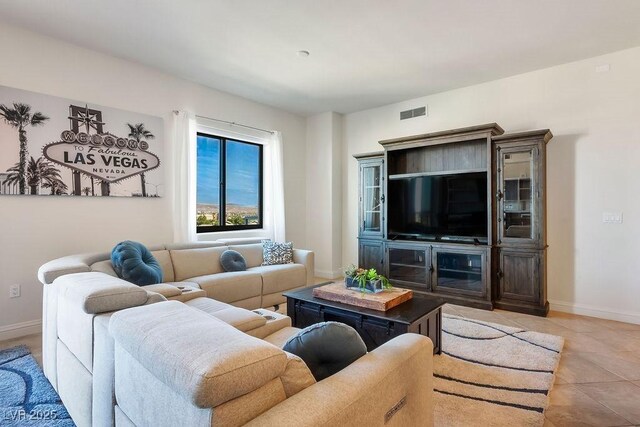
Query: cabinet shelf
408	265
454	270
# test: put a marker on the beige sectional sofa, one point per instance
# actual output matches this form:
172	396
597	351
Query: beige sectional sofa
124	355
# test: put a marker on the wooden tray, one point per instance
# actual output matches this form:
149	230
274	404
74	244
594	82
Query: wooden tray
382	301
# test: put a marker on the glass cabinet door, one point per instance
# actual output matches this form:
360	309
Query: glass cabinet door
459	272
517	183
371	198
409	266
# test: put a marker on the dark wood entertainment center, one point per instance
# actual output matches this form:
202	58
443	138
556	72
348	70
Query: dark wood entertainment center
507	269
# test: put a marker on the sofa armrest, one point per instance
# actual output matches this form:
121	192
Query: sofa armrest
306	258
167	290
390	386
99	292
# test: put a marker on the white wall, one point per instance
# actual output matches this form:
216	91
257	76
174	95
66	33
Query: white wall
593	163
34	230
324	192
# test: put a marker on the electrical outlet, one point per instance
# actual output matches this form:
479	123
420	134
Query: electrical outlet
14	291
612	217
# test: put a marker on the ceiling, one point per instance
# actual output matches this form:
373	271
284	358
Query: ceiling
364	53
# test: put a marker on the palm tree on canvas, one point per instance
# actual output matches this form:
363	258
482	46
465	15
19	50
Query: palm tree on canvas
139	132
39	173
57	186
20	117
42	172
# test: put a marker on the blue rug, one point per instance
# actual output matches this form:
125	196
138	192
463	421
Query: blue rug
26	396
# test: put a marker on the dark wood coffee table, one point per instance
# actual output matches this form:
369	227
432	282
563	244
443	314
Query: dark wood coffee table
421	315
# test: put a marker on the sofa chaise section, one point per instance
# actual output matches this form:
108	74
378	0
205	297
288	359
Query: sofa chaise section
176	366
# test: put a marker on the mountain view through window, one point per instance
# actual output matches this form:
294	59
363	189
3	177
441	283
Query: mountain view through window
229	184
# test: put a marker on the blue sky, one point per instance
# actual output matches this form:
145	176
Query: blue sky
242	172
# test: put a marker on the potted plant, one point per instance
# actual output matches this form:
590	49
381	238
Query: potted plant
365	280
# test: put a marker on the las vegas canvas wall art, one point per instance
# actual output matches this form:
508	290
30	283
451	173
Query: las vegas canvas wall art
52	146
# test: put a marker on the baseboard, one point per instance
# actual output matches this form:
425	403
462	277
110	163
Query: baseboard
22	329
600	312
325	274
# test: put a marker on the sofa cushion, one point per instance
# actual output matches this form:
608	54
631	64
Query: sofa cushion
201	358
132	261
196	262
230	287
232	261
208	305
164	259
252	253
104	267
240	318
277	253
282	277
326	347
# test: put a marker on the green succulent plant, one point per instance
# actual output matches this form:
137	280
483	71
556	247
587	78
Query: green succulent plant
362	276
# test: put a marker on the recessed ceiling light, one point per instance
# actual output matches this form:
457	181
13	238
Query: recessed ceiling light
302	53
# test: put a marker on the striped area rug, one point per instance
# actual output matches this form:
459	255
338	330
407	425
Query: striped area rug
493	375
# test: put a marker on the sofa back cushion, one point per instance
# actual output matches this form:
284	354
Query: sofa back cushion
104	267
252	253
164	259
201	358
188	263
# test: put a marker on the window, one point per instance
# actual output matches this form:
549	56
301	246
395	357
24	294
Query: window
229	184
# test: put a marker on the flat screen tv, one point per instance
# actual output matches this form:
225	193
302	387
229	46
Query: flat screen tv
438	207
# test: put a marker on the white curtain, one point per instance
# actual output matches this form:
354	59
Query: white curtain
184	177
274	187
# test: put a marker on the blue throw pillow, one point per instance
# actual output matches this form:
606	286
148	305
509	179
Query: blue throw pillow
232	261
133	262
326	347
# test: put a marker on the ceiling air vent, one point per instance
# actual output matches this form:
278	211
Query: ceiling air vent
416	112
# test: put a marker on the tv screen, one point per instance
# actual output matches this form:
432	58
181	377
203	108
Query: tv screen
438	207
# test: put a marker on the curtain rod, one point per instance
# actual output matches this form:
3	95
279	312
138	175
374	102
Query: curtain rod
231	123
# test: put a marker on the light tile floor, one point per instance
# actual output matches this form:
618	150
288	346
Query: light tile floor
598	381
